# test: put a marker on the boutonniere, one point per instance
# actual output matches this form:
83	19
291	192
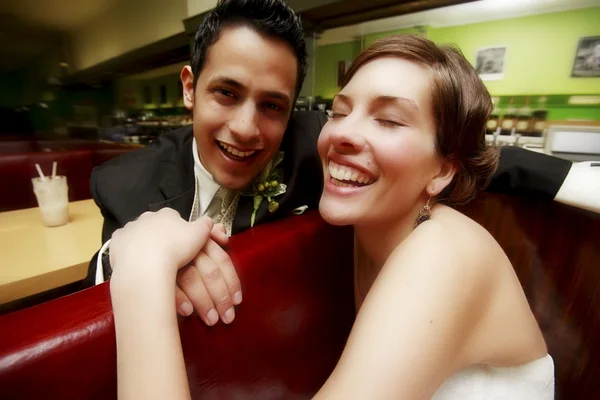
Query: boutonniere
266	186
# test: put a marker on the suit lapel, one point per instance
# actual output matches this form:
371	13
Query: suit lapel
182	203
177	183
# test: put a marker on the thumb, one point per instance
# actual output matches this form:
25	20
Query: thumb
219	235
201	228
193	238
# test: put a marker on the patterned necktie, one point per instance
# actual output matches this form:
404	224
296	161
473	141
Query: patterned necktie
222	207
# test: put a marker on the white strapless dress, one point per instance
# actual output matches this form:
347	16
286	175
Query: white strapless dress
530	381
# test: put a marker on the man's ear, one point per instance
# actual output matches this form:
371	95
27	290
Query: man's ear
187	81
443	178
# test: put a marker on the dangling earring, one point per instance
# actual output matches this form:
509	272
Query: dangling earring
424	214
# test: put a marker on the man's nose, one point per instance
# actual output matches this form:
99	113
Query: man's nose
244	124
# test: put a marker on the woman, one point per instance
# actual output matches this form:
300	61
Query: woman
441	312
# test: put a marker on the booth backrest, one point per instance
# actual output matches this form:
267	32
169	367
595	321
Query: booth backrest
298	309
16	146
75	158
286	338
102	155
16	171
76	144
555	250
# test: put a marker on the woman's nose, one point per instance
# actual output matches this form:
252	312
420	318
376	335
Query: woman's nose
345	137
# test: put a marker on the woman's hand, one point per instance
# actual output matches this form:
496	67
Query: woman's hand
146	255
155	246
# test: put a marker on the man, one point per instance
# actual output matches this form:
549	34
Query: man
248	64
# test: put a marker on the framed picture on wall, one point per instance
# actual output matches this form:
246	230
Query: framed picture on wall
490	62
587	58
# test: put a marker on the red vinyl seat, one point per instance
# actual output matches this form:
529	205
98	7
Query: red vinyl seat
75	158
286	338
298	309
16	171
16	146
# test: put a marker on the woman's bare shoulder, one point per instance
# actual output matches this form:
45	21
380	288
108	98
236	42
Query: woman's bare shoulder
455	239
450	249
466	238
469	257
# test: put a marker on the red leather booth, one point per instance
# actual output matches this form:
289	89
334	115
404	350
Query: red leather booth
286	338
75	158
298	309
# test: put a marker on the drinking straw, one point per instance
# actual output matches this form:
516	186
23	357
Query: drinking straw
39	170
54	170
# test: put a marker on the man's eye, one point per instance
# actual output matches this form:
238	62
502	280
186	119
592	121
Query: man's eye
337	115
274	107
225	92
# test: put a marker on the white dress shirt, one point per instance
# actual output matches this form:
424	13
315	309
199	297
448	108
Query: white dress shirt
581	187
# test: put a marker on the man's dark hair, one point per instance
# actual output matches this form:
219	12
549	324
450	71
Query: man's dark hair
270	17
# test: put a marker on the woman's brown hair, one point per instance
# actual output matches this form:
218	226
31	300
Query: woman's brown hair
461	106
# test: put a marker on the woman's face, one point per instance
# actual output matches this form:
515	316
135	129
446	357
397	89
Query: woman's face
378	149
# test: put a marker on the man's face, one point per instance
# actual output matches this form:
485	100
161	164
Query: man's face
241	103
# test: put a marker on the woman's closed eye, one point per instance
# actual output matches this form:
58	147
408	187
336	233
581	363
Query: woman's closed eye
337	115
389	123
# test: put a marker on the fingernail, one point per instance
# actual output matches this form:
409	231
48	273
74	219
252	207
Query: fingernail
229	316
237	298
186	308
212	317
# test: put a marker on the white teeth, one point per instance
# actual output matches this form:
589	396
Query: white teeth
340	183
234	151
345	173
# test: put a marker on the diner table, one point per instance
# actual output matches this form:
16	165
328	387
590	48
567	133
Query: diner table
35	258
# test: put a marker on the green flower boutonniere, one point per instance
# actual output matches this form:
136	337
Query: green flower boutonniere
266	186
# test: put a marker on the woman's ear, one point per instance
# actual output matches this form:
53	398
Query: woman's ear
187	81
443	178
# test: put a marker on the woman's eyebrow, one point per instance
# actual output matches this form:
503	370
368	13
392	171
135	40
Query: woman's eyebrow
396	99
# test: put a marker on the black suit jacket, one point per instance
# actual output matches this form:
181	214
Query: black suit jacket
162	175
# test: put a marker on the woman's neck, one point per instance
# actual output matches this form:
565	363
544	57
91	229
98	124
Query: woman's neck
380	239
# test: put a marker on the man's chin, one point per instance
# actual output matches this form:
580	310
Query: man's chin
233	182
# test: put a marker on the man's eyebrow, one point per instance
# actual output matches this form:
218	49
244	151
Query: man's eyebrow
225	81
395	99
278	96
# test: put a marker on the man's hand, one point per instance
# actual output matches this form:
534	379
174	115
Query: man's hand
210	284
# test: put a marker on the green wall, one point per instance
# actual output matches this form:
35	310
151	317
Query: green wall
540	54
327	66
130	92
